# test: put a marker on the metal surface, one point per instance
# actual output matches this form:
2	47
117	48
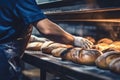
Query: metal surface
99	15
67	69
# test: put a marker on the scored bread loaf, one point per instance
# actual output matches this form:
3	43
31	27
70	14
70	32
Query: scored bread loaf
104	60
34	46
115	65
82	56
88	56
46	44
71	54
58	51
47	47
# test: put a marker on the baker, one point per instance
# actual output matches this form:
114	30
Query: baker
17	17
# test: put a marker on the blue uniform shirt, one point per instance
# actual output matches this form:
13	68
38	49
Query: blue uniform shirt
15	16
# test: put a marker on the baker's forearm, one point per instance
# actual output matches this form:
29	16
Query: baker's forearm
54	32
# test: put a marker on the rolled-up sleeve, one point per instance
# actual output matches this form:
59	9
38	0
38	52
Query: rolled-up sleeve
29	11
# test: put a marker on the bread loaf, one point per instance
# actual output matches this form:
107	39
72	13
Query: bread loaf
46	44
71	54
34	46
104	60
115	65
58	51
82	56
34	38
101	46
47	47
88	56
105	40
91	39
115	46
116	43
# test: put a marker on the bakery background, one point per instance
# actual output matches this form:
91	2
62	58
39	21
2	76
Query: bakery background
85	17
95	18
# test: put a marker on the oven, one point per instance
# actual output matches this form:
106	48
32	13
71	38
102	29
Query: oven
95	18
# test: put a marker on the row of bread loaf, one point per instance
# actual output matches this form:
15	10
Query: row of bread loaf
106	44
108	60
67	52
71	53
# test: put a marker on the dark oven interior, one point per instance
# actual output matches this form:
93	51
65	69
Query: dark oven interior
95	18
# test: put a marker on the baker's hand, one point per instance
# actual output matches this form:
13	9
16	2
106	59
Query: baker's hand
82	42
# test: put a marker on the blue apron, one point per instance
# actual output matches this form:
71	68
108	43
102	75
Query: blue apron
10	54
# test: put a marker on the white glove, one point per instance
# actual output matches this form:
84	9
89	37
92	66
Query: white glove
82	42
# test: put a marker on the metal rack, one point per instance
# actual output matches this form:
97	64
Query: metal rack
65	69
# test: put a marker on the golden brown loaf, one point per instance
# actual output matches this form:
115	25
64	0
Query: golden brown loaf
47	50
104	47
115	46
104	60
105	40
58	51
46	44
91	39
59	45
115	65
101	46
34	46
47	47
116	43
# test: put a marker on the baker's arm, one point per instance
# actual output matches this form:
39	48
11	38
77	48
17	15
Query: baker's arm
55	33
